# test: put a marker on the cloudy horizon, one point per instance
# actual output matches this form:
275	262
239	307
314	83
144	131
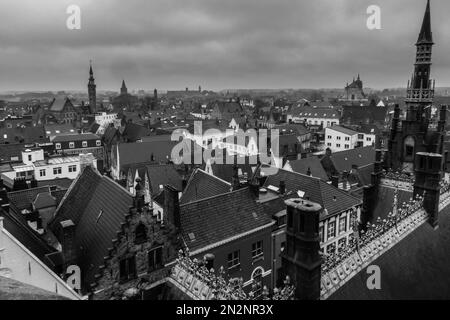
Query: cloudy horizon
239	44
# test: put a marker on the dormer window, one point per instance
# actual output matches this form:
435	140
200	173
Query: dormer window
71	145
84	144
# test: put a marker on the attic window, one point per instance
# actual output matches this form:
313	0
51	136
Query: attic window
300	193
191	236
334	198
255	215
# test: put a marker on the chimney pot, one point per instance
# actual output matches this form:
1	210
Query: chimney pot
282	188
172	206
68	242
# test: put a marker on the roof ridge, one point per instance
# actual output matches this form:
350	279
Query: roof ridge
301	174
342	191
213	176
118	185
216	196
69	190
26	190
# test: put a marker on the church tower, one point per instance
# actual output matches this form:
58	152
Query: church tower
123	89
412	135
92	91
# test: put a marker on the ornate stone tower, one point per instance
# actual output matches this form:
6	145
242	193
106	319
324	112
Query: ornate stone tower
301	259
92	91
413	134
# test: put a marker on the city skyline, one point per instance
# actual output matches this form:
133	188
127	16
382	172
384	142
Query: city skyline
238	45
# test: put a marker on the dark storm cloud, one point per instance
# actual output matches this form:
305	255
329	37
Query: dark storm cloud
216	44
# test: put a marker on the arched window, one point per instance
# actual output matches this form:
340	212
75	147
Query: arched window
140	234
409	149
257	286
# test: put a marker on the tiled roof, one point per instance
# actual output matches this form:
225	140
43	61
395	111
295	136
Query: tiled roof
329	197
229	107
134	132
139	152
296	128
19	229
110	133
23	135
59	103
209	221
343	130
313	164
163	174
344	160
22	199
76	137
202	185
225	171
8	151
97	206
11	289
63	183
366	114
319	113
44	200
415	268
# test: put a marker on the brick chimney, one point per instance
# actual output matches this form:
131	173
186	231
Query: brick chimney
253	185
335	181
301	259
369	202
67	240
282	187
235	178
171	206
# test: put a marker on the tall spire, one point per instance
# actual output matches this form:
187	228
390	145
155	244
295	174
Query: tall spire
123	89
91	73
92	90
425	35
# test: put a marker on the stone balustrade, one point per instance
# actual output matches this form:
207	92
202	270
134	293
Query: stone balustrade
400	184
383	237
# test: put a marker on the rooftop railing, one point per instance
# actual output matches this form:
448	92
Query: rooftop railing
199	283
363	249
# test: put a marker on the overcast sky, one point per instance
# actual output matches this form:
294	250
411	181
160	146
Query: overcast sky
173	44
